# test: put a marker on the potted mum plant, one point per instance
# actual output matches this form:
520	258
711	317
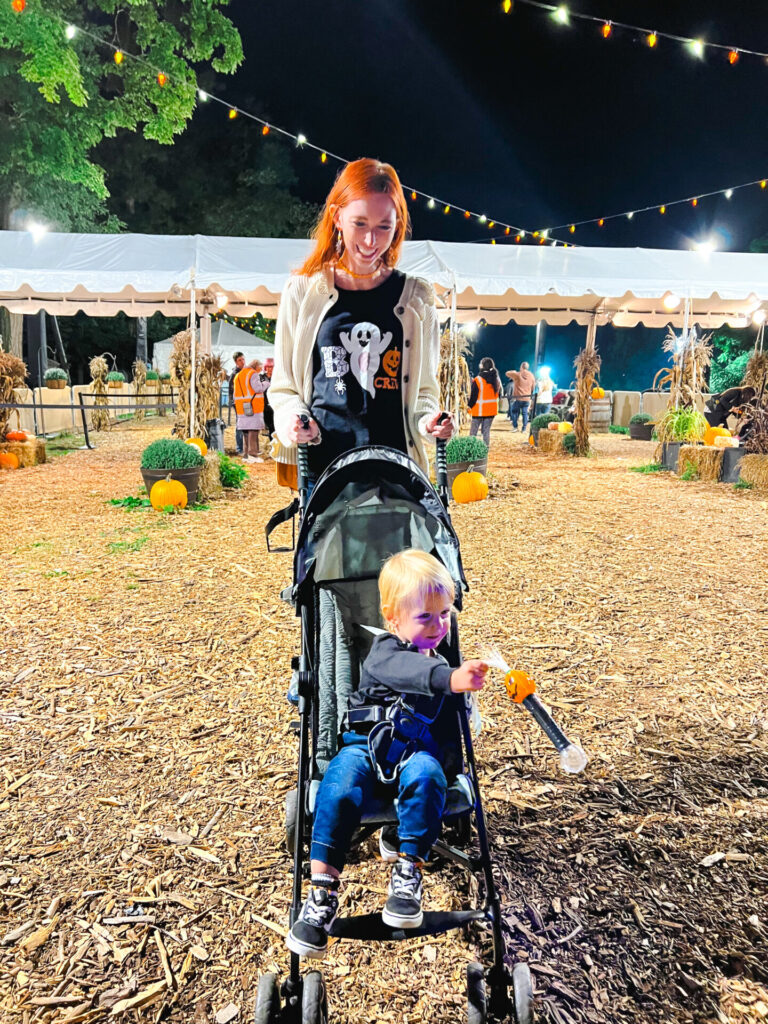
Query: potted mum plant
175	459
464	453
55	378
115	379
641	426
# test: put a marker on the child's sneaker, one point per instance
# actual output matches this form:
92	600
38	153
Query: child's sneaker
309	934
389	844
403	906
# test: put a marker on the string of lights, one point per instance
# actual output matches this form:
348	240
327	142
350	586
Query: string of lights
511	232
650	36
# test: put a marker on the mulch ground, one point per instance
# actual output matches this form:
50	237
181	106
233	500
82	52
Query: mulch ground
146	750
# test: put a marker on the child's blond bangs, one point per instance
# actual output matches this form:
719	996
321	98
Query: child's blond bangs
408	578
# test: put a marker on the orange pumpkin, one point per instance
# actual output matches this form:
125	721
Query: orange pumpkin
17	435
531	441
712	432
168	492
468	487
8	460
598	392
553	426
198	442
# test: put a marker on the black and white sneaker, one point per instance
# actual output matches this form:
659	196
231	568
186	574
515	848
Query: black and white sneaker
403	906
309	935
389	844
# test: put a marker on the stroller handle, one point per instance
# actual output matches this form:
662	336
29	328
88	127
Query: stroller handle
441	465
302	467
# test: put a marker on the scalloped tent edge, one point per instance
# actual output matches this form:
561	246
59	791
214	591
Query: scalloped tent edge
141	274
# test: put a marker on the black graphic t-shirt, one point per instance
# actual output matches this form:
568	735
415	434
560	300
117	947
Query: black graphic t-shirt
357	368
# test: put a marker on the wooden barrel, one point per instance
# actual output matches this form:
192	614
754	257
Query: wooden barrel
599	415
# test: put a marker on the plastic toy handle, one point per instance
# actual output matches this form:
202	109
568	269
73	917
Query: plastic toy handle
572	757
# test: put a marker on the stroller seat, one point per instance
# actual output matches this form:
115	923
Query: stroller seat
460	799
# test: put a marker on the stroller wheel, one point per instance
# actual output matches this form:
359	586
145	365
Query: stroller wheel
523	991
314	1006
267	1009
477	1008
291	806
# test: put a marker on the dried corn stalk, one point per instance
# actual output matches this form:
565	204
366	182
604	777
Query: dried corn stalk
140	382
208	376
99	369
686	377
587	364
756	373
453	374
13	372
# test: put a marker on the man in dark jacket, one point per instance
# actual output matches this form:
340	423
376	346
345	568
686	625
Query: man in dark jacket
239	364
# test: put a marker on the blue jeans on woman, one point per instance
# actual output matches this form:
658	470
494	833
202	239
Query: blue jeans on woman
350	785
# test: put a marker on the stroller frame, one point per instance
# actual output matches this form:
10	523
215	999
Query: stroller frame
300	999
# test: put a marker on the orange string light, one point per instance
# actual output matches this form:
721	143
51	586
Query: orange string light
162	79
733	57
18	5
607	29
232	113
652	39
265	129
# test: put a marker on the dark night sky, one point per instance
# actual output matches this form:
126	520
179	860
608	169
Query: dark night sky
529	121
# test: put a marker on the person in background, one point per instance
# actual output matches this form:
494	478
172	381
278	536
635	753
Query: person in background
239	359
546	389
484	399
520	392
250	385
269	415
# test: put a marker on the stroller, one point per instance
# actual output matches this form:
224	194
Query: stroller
368	504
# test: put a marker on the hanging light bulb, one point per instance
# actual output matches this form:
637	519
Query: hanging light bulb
202	95
467	214
446	208
491	223
482	218
759	317
733	57
232	114
507	229
161	79
630	215
522	234
694	202
265	129
413	197
601	222
545	233
572	229
728	193
607	29
301	140
662	210
670	301
518	238
119	56
70	31
323	158
763	183
431	204
493	241
507	6
560	14
652	39
18	5
696	46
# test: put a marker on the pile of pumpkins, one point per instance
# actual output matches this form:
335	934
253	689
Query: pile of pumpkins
561	428
720	437
9	460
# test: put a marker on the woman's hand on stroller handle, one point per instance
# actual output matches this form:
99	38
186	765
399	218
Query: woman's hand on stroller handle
440	425
469	676
302	429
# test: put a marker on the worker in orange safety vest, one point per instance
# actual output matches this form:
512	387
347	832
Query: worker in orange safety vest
484	399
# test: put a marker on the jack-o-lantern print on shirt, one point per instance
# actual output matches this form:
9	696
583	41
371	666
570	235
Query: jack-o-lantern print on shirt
357	381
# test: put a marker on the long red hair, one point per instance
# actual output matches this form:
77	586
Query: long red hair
358	179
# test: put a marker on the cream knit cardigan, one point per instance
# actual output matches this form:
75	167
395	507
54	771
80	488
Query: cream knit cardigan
303	306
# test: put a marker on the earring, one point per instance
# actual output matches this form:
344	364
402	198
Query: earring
339	244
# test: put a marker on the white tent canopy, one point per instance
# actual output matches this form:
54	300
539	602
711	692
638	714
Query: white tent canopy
141	274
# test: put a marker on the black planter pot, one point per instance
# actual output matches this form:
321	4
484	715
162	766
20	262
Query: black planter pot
729	468
189	477
669	455
454	468
641	431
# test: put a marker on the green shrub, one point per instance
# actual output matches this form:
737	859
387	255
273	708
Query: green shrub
153	375
171	454
690	472
116	375
569	443
465	449
540	422
649	467
641	417
742	485
56	374
615	429
165	376
231	473
681	425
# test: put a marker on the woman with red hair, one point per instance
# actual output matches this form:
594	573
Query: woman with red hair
357	341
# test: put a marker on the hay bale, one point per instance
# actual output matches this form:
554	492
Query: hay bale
705	459
754	469
551	442
29	453
209	488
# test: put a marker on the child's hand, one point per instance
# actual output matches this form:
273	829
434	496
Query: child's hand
471	676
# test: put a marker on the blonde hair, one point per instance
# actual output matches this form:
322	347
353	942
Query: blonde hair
409	577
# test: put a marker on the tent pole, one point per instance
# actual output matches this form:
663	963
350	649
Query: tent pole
193	357
455	353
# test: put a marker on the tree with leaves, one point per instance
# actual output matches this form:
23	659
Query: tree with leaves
61	93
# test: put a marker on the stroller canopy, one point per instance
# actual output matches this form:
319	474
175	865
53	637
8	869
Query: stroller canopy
369	504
